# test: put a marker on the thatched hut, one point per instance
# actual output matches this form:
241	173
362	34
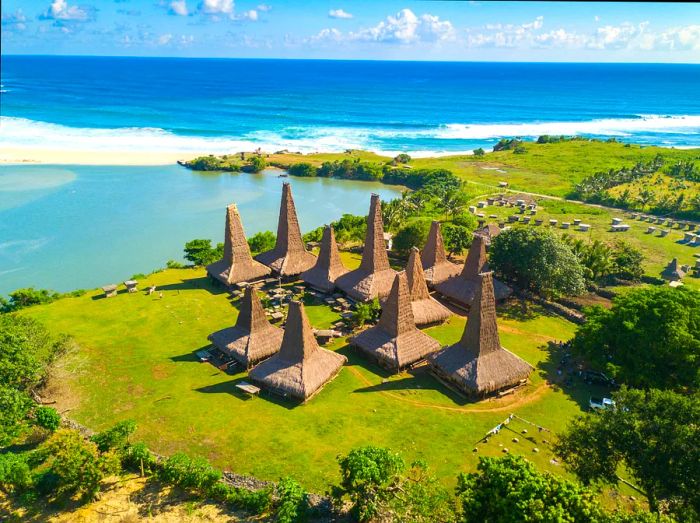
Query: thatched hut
395	342
426	309
328	266
374	276
673	271
477	364
253	338
289	257
237	265
301	368
434	260
461	289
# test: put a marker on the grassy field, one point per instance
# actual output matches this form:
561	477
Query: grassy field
136	360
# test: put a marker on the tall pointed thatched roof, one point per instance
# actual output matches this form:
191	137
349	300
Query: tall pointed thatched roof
301	367
237	265
328	266
395	342
462	287
289	257
673	271
374	276
253	338
477	364
426	310
434	260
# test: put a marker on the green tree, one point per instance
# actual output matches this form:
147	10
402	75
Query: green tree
479	152
627	261
402	158
648	338
411	235
15	473
654	434
537	260
511	489
47	418
292	502
256	163
366	312
303	169
200	252
261	242
457	238
14	407
75	464
22	298
115	438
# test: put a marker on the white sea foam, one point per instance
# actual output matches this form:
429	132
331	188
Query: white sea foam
444	139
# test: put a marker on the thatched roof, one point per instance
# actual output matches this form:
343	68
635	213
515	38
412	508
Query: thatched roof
477	364
237	265
328	266
462	288
433	259
426	310
395	342
253	338
289	257
673	271
301	367
374	276
488	232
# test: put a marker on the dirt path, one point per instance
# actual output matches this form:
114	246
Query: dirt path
520	400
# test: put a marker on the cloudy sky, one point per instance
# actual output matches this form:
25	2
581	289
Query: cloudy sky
356	29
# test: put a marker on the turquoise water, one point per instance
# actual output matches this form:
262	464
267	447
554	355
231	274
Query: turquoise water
69	227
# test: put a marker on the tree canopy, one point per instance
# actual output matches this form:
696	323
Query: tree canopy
648	338
537	260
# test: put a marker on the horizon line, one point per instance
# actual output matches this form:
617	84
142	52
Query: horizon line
10	55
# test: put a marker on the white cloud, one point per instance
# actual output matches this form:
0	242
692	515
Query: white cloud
405	27
264	8
186	40
165	39
324	35
60	10
14	21
251	15
178	7
596	18
505	35
339	13
617	36
213	7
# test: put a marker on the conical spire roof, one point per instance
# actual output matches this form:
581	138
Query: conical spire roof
237	265
301	367
374	255
328	264
462	287
374	277
426	310
289	256
673	271
253	338
478	364
395	342
433	258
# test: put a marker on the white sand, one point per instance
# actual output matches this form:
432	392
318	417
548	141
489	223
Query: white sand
17	155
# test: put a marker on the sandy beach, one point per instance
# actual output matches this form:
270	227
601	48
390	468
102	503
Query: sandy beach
17	155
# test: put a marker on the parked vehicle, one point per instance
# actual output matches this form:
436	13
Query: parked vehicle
601	403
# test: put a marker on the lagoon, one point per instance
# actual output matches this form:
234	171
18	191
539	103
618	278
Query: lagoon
70	227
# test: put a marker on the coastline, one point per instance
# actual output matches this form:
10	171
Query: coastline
28	156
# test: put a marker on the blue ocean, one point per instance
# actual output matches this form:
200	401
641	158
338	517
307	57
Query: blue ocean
217	105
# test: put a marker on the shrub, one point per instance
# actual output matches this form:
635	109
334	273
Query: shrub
172	264
47	418
366	312
256	164
139	458
302	169
457	238
261	242
402	158
200	252
189	473
22	298
15	474
292	502
115	438
479	152
412	235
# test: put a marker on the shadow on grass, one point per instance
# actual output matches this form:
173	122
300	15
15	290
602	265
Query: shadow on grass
518	310
203	282
229	387
190	357
561	372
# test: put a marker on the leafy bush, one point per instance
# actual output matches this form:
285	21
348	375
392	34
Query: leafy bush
411	235
15	473
479	152
200	252
138	457
457	238
47	418
189	473
367	312
261	242
292	502
22	298
115	438
213	163
402	158
172	264
256	164
507	144
302	169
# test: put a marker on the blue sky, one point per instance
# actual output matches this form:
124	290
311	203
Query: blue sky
380	30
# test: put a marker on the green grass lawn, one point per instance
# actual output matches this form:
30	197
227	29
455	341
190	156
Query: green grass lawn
135	360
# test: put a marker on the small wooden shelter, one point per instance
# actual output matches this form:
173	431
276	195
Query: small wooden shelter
426	309
237	265
329	267
461	289
395	342
253	338
301	368
477	364
374	277
434	260
289	257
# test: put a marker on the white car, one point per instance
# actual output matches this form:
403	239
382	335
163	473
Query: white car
601	403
